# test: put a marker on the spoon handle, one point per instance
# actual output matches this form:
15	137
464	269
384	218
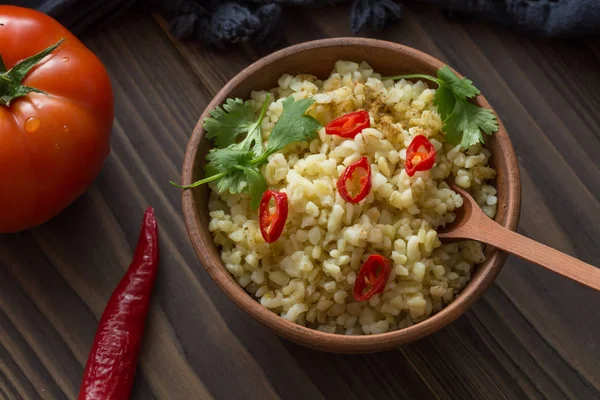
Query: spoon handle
540	254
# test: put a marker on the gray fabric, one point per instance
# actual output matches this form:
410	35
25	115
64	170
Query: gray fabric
227	22
232	22
224	22
543	17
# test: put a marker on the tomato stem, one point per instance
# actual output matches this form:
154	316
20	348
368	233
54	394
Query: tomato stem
11	86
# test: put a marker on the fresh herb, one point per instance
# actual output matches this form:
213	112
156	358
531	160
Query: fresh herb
464	122
236	117
236	165
11	87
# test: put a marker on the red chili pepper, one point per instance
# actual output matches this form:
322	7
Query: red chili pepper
420	155
113	359
271	225
349	125
364	181
373	275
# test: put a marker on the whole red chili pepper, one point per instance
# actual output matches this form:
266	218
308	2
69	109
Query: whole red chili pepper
420	155
373	275
113	359
364	181
349	125
271	225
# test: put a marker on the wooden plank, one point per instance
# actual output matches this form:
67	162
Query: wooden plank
7	390
13	374
33	345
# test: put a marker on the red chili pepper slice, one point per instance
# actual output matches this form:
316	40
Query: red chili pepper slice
271	224
362	187
349	125
112	362
373	276
420	155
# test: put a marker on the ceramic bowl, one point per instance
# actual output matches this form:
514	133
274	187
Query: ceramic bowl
318	58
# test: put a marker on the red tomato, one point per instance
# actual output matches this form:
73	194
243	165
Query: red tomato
51	146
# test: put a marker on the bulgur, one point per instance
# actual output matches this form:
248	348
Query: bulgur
307	275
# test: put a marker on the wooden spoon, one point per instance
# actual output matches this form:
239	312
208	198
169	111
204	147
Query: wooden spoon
471	223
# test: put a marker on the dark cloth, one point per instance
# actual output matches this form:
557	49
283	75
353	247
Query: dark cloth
223	22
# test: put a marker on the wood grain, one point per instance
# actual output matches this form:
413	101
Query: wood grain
532	335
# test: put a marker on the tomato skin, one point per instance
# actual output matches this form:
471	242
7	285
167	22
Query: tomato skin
44	167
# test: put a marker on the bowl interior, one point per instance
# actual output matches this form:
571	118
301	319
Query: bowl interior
318	58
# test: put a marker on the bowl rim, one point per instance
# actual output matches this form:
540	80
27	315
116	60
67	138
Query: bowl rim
311	337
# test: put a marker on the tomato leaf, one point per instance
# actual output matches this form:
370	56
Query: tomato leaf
22	68
10	81
20	91
17	92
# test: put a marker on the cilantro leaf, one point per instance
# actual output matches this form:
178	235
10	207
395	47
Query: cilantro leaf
240	176
253	141
466	123
234	182
293	125
225	162
461	87
226	123
444	100
256	184
236	166
222	163
226	159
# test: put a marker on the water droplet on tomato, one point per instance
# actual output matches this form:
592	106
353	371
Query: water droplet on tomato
66	129
32	124
65	59
56	146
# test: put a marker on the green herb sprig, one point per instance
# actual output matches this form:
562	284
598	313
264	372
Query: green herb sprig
235	165
464	122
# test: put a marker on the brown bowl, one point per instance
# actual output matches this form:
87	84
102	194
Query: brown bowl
318	58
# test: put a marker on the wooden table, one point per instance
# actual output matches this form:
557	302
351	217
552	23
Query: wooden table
532	335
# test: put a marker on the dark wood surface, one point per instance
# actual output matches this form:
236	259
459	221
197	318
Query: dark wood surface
532	335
